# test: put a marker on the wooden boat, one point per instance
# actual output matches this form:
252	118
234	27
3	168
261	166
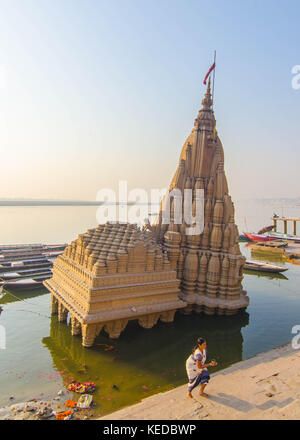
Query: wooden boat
263	267
242	237
42	250
25	282
23	274
271	244
24	262
27	266
281	236
23	255
292	260
20	267
257	237
268	275
11	295
270	247
19	247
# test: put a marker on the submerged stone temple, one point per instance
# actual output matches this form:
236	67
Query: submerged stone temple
118	272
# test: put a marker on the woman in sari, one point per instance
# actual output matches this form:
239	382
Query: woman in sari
196	368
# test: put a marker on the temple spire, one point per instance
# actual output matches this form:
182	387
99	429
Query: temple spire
208	263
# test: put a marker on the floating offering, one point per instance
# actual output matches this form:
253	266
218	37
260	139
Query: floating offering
85	401
65	415
71	404
85	387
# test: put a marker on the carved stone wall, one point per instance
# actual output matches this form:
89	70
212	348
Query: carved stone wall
110	275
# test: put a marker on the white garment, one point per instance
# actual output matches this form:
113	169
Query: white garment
191	363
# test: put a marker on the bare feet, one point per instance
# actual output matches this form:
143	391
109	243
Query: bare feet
202	393
190	395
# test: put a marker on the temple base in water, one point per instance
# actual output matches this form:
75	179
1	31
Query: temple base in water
111	275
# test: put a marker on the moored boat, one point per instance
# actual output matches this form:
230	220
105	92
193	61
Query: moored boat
281	236
27	266
28	273
21	267
257	237
272	244
25	283
22	254
259	266
18	247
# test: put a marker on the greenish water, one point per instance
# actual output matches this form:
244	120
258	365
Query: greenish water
41	354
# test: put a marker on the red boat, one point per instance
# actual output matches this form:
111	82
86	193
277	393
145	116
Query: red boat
258	237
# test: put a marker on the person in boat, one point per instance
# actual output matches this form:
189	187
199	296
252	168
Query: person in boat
196	368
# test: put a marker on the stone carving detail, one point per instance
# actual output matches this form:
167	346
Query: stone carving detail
148	321
62	313
89	333
167	316
75	326
114	328
54	305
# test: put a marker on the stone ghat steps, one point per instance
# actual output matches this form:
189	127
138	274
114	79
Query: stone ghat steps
266	387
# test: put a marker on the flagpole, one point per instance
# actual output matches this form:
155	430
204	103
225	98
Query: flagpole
213	90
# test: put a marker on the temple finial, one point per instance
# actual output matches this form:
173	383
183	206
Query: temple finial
208	87
207	100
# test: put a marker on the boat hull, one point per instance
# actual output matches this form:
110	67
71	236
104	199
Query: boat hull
257	237
278	236
23	284
263	267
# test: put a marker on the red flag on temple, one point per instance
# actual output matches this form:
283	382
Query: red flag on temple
209	72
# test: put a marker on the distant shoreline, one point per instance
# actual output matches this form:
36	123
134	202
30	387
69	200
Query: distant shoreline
49	203
62	203
284	202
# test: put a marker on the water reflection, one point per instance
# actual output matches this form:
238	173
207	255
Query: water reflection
270	276
12	295
143	362
263	254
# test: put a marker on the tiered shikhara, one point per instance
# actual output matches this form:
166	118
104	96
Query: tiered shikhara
118	272
209	265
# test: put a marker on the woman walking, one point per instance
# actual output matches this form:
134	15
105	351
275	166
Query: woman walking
196	368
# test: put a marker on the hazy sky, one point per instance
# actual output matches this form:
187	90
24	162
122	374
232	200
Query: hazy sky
100	90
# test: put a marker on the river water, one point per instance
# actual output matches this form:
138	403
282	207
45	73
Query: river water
41	355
